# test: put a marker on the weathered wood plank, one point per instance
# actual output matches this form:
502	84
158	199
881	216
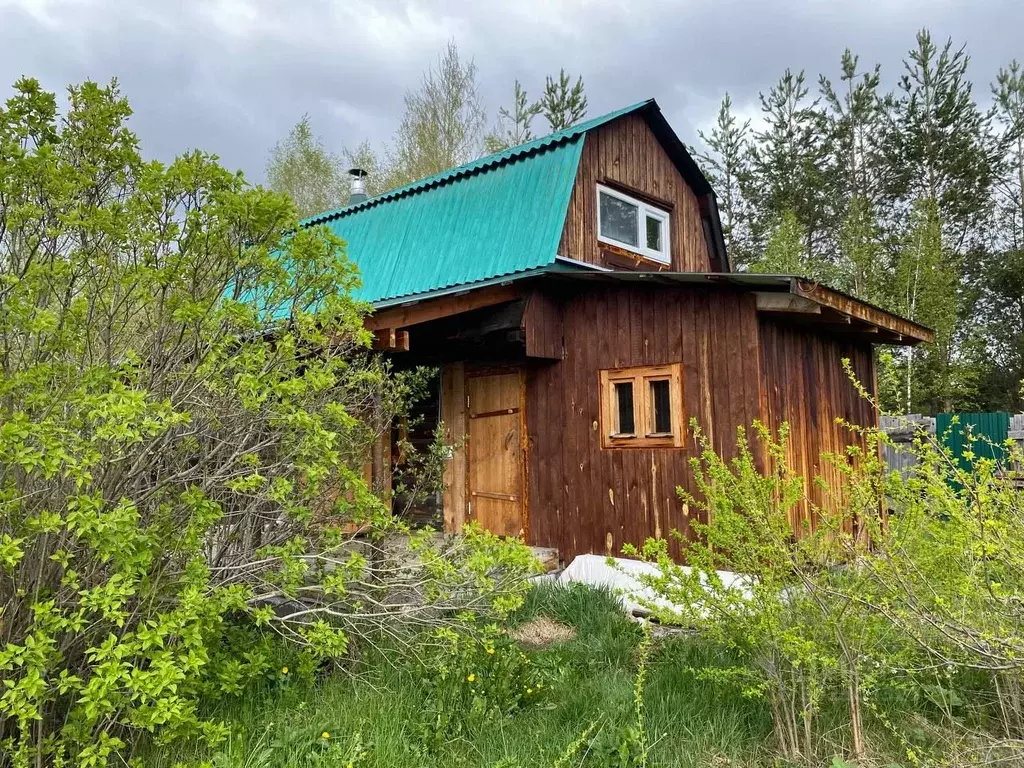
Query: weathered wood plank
442	306
857	309
453	414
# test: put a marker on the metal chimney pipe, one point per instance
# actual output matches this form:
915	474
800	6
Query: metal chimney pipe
358	186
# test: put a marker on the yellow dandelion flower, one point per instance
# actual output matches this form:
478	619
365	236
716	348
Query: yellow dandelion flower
490	651
284	670
471	677
325	735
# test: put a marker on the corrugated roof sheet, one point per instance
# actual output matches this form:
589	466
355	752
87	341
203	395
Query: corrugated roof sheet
500	215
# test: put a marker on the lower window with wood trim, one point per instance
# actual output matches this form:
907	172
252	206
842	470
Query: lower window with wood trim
642	407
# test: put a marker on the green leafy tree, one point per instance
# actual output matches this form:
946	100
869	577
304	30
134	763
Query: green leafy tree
853	611
857	168
514	125
999	269
942	166
785	250
313	177
186	405
746	583
443	122
301	167
863	268
927	279
563	102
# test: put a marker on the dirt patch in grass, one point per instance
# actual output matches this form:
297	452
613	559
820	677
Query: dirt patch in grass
541	632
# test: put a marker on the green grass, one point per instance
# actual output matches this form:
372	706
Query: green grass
385	707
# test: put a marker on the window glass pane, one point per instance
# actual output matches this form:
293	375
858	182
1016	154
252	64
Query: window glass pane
661	407
624	404
619	219
654	227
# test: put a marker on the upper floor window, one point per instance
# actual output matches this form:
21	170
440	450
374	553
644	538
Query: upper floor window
632	224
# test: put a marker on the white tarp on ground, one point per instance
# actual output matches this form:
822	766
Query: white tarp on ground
620	576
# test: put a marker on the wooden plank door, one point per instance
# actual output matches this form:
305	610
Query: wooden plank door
494	484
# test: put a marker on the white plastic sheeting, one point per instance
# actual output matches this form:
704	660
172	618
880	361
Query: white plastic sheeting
620	575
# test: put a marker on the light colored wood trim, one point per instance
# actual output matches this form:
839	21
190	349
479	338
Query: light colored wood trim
524	457
453	414
492	495
442	306
616	256
640	377
786	302
390	340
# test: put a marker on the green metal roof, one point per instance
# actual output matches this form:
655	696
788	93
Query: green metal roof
500	215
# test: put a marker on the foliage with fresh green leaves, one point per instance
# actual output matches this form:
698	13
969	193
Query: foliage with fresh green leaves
187	401
316	179
901	611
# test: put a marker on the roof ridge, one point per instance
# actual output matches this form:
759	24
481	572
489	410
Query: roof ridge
484	163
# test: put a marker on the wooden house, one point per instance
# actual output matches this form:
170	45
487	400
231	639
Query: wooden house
576	294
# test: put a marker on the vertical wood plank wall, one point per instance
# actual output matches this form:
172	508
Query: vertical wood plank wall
453	414
625	151
805	385
737	367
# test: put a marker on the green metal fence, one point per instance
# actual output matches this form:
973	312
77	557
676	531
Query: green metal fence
992	429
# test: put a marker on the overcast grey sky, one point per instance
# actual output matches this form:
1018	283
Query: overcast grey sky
231	76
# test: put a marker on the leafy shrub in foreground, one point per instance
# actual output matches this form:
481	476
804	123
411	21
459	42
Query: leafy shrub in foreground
901	611
186	405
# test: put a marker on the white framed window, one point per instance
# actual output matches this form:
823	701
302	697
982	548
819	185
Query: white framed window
632	224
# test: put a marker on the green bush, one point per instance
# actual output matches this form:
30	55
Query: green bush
891	628
186	405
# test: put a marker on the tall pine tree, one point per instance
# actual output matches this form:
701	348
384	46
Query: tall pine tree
515	123
725	163
854	119
787	167
999	272
940	142
563	103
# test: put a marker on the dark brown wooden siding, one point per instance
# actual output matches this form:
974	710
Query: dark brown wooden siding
737	368
625	153
805	386
587	499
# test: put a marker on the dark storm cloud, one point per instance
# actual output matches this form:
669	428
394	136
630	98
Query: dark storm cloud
231	76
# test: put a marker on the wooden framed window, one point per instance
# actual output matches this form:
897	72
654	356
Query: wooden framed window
632	224
642	407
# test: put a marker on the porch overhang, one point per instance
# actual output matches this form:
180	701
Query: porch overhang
796	299
791	298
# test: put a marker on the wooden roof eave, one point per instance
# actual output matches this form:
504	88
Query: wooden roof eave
837	311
